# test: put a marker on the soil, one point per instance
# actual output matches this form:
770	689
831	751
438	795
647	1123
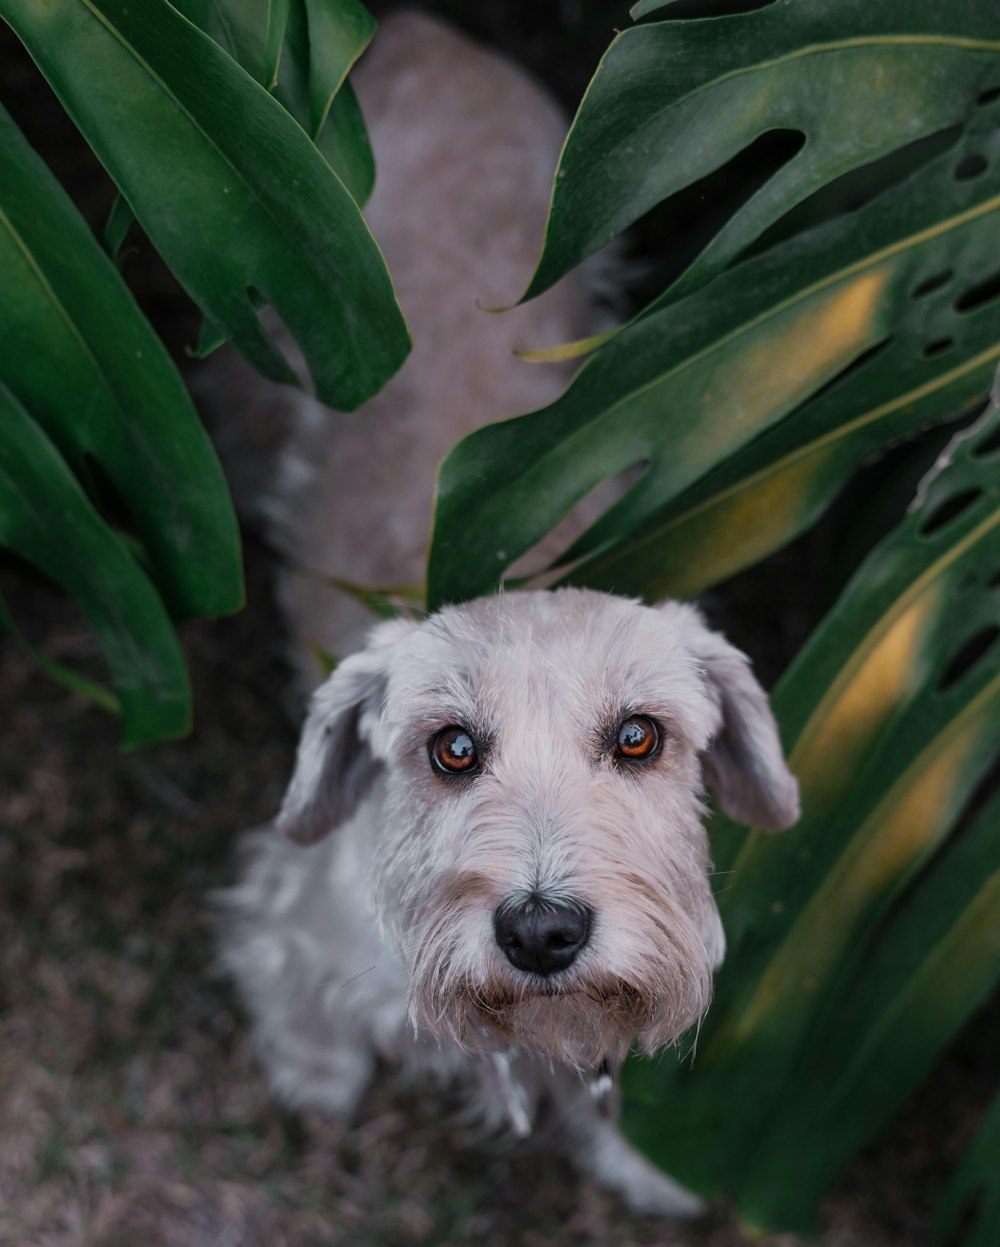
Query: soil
131	1107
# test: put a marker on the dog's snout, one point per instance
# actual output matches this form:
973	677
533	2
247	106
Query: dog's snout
540	935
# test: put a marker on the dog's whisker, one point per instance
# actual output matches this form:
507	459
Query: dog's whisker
337	984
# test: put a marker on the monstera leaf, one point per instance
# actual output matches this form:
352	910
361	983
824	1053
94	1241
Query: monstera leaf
338	31
935	962
892	714
109	397
46	518
672	101
323	40
302	51
257	208
747	404
251	31
99	430
94	398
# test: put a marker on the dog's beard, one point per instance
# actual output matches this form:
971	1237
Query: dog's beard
461	989
581	1022
579	1018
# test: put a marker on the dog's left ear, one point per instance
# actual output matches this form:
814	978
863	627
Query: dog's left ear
744	765
334	765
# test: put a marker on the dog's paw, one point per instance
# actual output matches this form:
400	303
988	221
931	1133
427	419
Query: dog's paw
332	1080
653	1193
643	1188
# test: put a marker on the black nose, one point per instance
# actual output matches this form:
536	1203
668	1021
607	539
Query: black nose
540	935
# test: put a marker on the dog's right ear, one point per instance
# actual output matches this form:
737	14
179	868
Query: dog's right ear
335	765
743	764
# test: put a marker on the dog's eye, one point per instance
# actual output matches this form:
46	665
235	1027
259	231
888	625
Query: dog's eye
453	750
637	737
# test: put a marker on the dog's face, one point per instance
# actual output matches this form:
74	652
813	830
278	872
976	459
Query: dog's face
540	760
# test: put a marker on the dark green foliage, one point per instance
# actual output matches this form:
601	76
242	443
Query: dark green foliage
243	201
851	300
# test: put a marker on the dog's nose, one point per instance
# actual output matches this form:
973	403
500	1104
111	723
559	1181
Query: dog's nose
541	935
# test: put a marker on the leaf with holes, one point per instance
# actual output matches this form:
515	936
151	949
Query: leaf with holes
747	403
892	713
257	208
973	1195
935	364
673	101
46	518
77	352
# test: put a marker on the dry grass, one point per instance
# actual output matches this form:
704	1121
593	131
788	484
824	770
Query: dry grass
131	1108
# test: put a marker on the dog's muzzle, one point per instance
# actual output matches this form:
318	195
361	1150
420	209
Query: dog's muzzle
539	935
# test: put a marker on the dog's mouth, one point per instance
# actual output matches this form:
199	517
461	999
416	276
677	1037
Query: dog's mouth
618	1000
583	1022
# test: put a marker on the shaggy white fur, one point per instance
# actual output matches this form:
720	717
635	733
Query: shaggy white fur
381	938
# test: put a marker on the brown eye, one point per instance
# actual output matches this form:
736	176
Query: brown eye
637	737
453	751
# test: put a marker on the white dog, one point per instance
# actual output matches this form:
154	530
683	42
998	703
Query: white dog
505	878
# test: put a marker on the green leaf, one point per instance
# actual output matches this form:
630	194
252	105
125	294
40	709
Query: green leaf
312	86
385	601
644	7
251	31
46	518
77	352
339	31
889	736
258	208
673	101
321	40
760	499
750	379
119	222
935	962
974	1188
345	147
72	680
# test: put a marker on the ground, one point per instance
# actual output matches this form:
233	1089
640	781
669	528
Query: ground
131	1110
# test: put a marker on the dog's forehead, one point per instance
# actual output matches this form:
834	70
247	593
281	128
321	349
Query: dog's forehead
571	650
